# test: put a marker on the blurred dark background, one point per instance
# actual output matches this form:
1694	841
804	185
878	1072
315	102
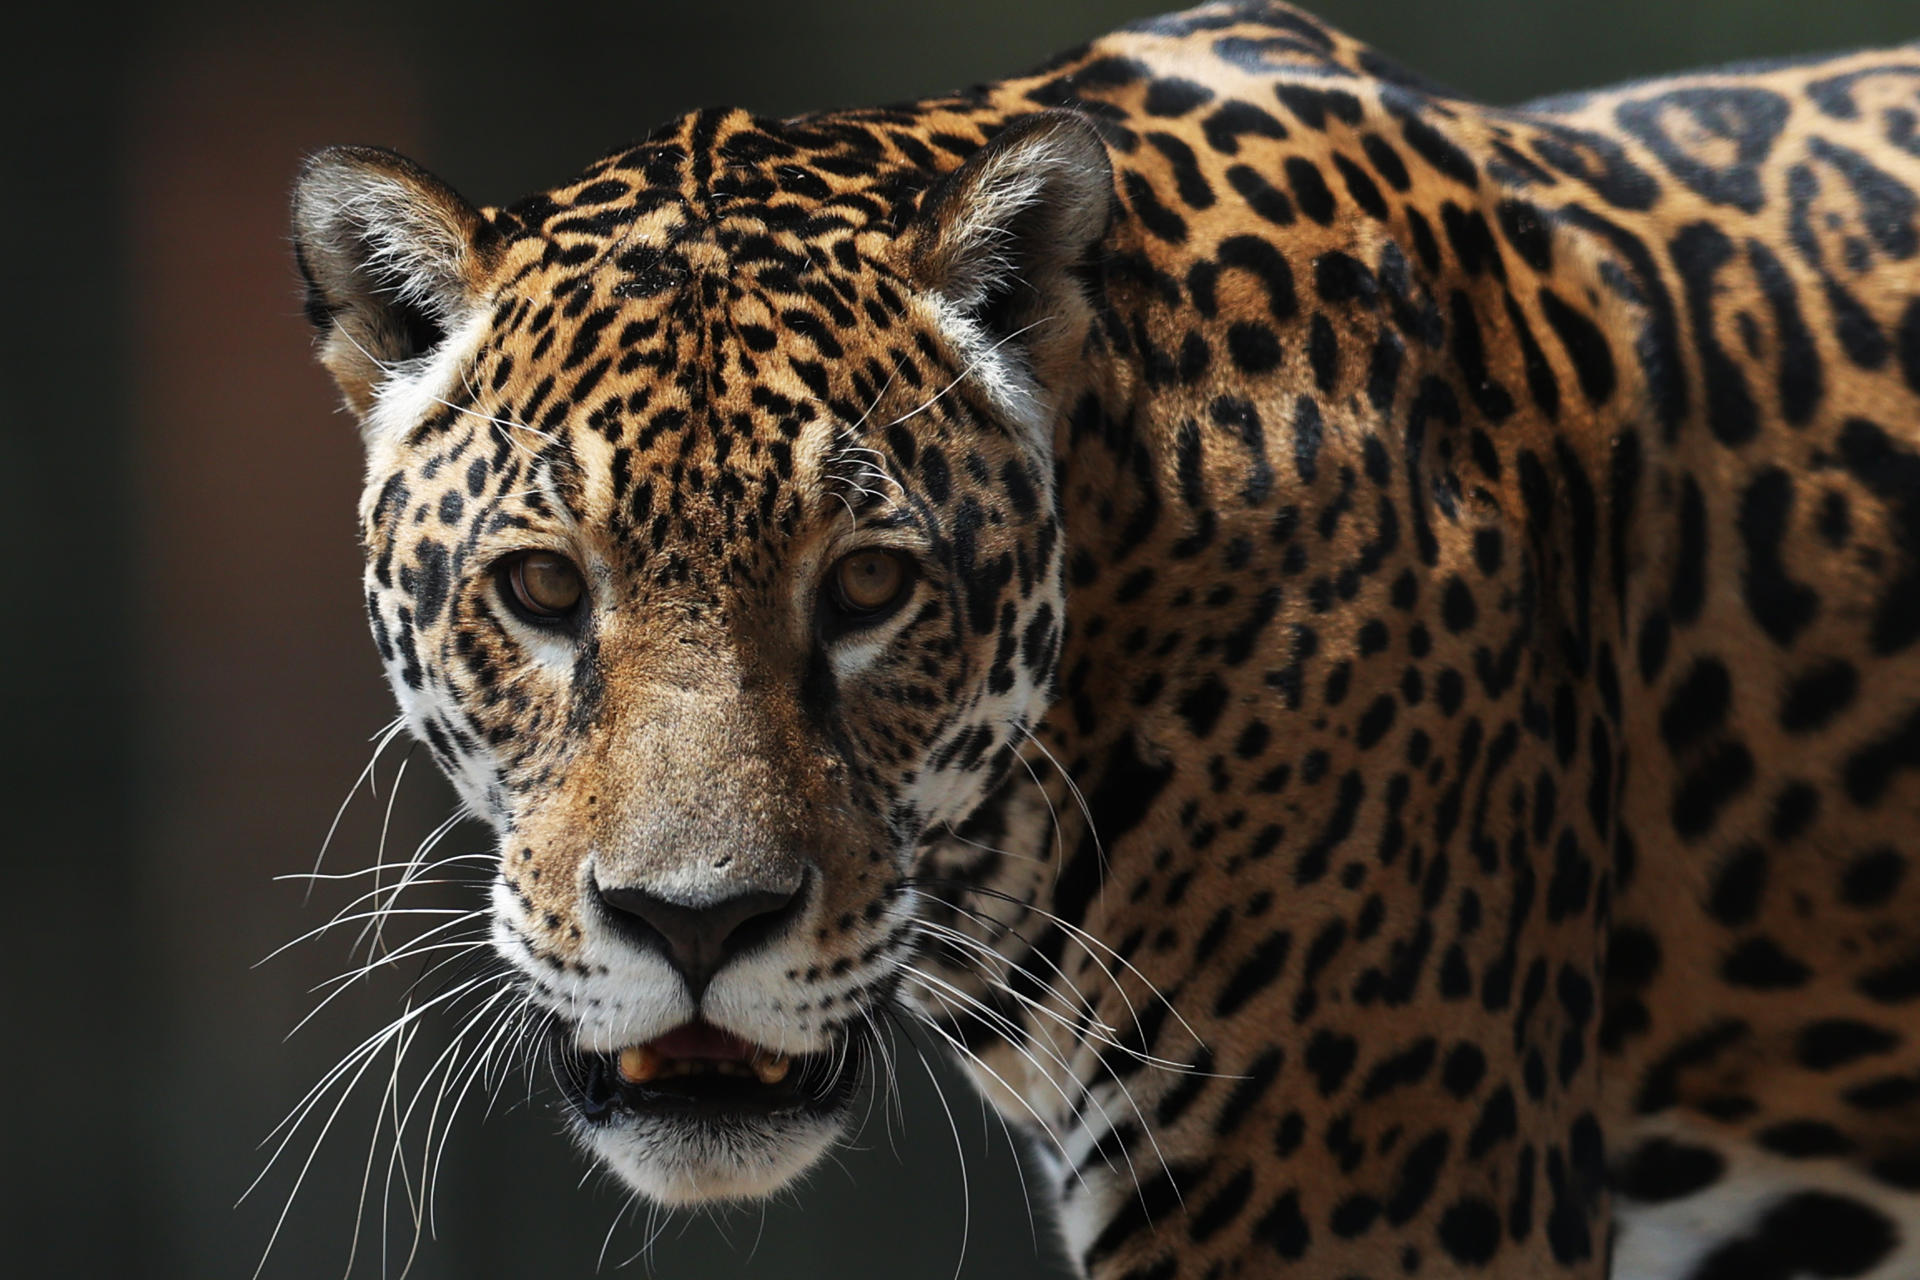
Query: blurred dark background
188	690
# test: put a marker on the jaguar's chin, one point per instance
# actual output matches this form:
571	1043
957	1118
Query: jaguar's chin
699	1115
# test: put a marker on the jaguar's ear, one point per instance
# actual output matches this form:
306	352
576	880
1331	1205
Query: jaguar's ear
393	259
1001	244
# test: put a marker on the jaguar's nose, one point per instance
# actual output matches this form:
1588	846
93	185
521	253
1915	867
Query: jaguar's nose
700	938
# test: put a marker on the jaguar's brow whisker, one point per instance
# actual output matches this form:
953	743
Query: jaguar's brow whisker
506	426
878	396
388	368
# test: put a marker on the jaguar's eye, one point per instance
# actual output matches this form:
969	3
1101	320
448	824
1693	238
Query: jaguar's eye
867	583
543	587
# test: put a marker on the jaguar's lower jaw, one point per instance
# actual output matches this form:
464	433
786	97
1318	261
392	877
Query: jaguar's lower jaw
680	1165
709	1134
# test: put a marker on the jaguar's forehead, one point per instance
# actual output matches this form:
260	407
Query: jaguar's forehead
728	268
713	308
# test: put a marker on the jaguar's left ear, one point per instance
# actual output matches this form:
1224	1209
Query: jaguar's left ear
998	244
393	261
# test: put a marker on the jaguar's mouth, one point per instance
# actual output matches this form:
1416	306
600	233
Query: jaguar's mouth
700	1071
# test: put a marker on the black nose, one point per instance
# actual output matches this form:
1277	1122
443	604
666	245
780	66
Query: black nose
700	940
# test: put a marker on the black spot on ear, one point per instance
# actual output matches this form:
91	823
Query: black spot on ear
319	311
420	331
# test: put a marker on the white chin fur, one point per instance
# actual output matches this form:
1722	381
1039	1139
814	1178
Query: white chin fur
677	1164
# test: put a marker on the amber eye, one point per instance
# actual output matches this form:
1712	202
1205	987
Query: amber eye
543	586
866	582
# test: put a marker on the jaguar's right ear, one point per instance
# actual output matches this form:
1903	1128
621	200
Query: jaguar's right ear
393	258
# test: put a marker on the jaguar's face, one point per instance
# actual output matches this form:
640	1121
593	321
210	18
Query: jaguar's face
718	565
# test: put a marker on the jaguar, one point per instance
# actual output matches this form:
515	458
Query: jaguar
1354	655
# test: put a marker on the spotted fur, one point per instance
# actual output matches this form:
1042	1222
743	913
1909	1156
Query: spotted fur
1401	754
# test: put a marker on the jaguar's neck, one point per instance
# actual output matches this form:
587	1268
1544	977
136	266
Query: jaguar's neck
1386	487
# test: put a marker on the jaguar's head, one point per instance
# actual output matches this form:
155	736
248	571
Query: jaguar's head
713	551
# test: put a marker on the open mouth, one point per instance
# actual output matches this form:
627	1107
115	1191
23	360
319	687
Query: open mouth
700	1070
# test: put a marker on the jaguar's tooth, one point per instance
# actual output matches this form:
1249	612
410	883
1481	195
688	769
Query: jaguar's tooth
772	1068
639	1064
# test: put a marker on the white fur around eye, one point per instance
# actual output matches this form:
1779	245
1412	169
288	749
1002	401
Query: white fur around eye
852	654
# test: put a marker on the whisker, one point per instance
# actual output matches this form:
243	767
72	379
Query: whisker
959	1151
382	739
381	866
